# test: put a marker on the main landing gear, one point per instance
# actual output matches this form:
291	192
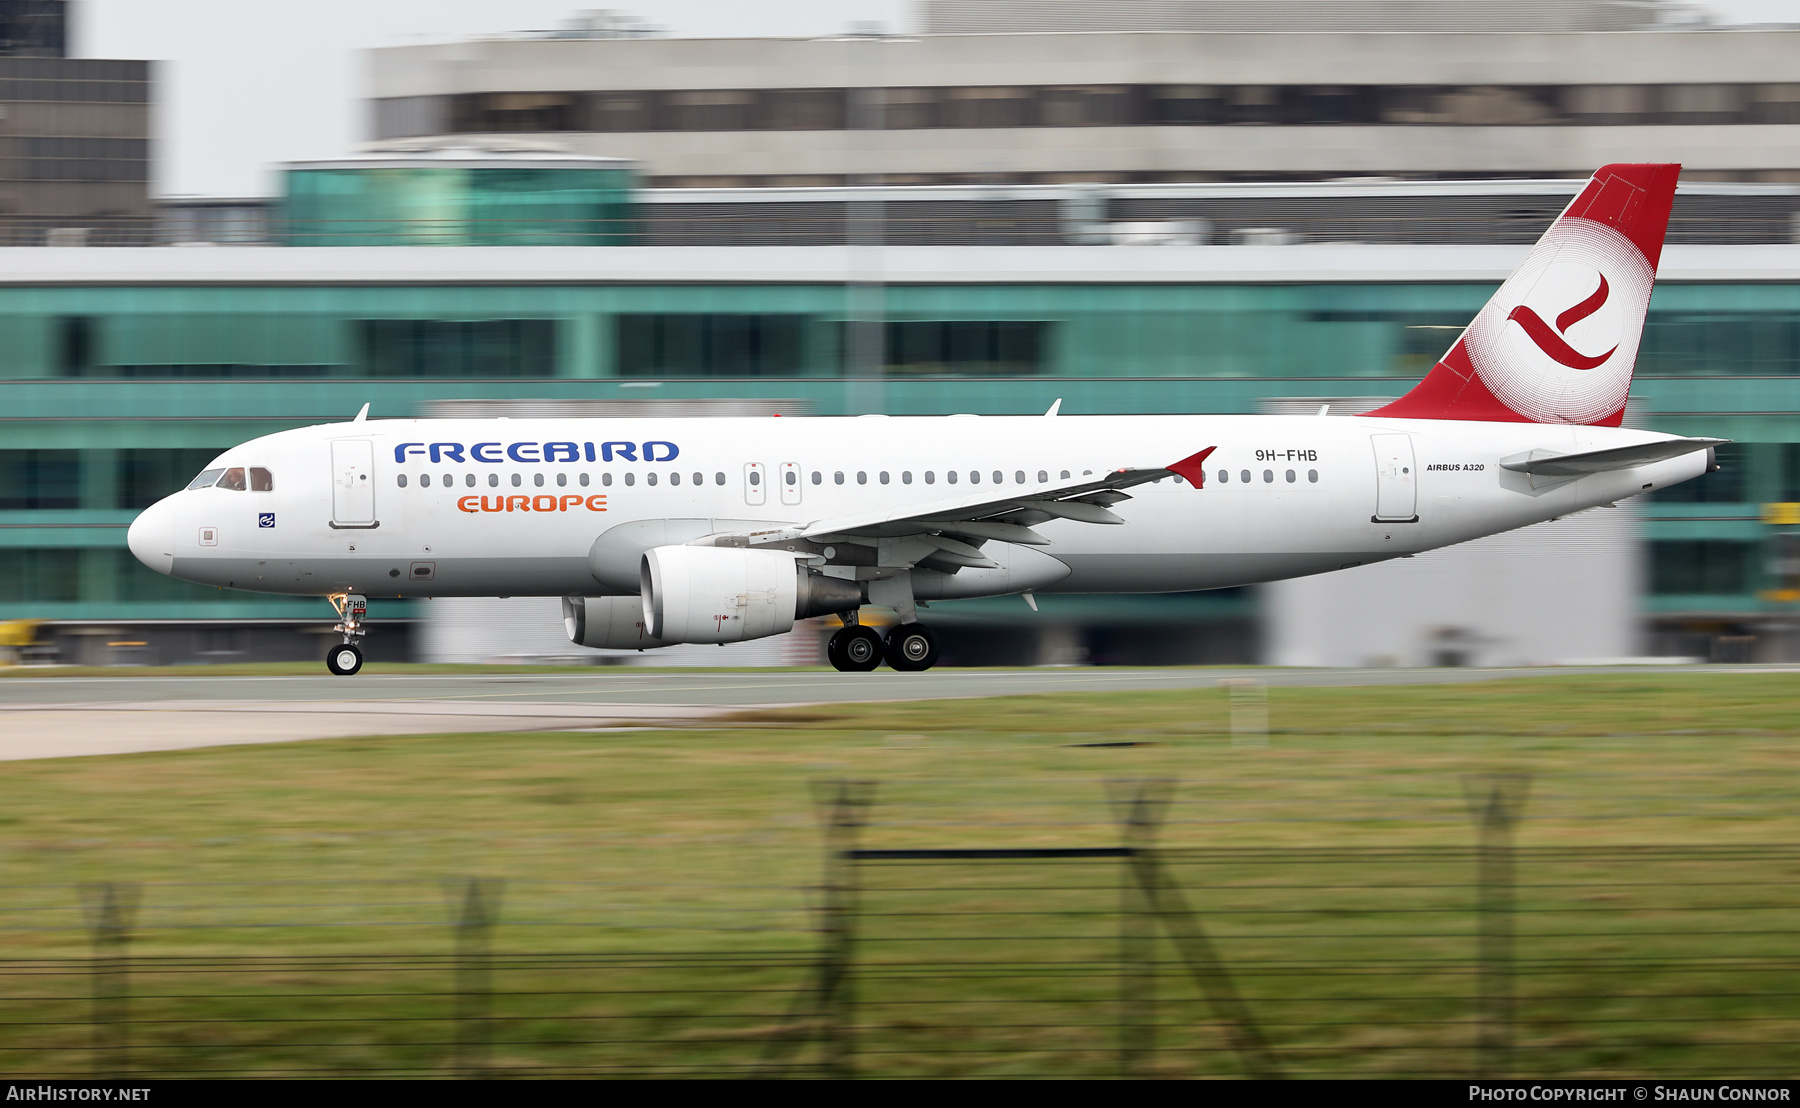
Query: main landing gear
344	660
910	648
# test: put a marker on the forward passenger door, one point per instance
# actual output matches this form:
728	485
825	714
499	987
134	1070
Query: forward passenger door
352	483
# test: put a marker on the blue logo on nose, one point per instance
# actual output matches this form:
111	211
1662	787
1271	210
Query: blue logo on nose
265	519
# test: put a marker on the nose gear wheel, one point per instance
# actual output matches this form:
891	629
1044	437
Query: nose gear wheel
344	660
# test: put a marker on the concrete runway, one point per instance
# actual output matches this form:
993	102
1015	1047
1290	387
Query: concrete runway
59	717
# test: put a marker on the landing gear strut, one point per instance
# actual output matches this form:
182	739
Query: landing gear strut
344	660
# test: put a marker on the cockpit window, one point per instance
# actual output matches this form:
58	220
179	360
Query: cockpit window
233	479
261	480
206	480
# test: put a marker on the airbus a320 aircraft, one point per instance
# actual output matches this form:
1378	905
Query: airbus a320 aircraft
659	531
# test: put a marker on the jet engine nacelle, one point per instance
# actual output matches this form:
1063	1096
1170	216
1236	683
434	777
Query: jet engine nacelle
729	594
607	622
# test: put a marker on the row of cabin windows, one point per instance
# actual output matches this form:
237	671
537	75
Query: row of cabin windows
448	480
1268	476
906	477
792	477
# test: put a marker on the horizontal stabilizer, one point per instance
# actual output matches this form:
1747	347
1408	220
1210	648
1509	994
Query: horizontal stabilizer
1548	463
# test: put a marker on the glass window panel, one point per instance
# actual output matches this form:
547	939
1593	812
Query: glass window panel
710	345
1700	567
38	479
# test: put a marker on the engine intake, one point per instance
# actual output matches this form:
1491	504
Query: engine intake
729	594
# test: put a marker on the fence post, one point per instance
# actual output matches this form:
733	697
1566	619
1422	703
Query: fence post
1249	711
111	907
473	1002
1139	808
843	807
1495	800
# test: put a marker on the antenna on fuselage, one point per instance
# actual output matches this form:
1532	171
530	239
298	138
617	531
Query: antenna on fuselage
362	416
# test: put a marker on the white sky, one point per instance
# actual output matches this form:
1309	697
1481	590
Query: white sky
254	82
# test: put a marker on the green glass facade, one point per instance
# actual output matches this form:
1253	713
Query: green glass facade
450	205
113	395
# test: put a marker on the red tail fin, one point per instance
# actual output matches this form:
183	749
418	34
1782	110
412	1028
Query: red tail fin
1558	342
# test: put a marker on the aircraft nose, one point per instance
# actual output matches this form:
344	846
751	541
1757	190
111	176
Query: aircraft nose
152	538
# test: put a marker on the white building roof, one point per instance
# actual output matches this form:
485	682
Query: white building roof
902	265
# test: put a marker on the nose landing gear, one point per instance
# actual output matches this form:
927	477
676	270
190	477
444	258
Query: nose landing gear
344	660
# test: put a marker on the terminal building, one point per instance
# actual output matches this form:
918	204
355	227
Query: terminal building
74	137
1007	92
525	260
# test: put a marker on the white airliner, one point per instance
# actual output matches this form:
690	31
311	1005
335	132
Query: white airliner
659	531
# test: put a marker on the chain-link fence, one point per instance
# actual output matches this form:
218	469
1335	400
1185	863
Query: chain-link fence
1061	959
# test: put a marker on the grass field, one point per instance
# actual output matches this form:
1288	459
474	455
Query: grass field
657	911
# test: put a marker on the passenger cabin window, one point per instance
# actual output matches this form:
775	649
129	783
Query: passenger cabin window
261	480
206	480
606	479
493	480
401	480
718	478
580	478
674	478
424	480
1043	476
820	477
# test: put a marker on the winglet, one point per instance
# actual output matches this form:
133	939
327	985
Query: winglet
362	416
1054	408
1192	468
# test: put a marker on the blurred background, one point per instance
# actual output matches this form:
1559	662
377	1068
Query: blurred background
215	224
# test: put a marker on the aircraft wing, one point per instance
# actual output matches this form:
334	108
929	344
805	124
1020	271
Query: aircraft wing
1548	463
952	529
